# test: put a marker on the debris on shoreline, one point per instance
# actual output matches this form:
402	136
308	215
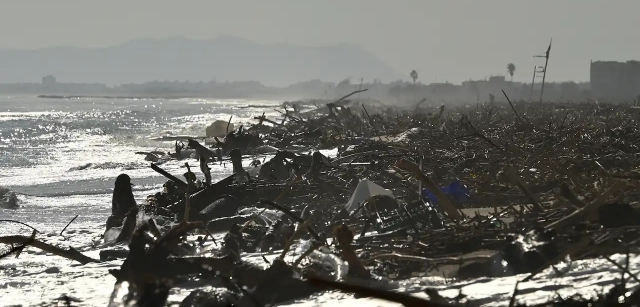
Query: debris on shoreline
487	190
8	199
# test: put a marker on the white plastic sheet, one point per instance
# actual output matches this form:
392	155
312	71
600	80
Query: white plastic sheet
365	190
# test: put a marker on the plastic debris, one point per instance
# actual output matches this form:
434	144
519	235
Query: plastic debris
365	190
455	190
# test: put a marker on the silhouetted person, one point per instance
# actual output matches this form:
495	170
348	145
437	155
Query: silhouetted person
122	200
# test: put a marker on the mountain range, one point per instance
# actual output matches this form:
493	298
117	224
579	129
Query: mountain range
224	58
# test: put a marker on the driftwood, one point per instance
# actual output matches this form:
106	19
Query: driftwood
179	183
184	266
223	224
568	194
296	235
70	253
401	298
439	260
585	212
294	216
19	248
149	270
349	95
532	199
583	153
345	237
204	197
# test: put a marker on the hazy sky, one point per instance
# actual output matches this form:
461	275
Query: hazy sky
445	40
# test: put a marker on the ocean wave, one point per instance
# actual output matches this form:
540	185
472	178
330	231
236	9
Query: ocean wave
109	165
63	127
44	193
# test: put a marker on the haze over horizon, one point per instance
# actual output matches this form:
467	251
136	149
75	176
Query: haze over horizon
443	40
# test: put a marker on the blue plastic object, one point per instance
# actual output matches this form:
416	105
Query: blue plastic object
456	190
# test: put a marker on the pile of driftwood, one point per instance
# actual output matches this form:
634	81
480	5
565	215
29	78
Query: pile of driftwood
541	182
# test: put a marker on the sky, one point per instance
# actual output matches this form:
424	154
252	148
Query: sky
444	40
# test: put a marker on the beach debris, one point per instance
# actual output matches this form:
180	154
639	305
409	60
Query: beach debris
240	138
8	199
507	218
69	253
364	191
503	189
202	153
456	190
149	156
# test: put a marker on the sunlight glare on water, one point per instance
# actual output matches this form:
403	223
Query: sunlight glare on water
63	147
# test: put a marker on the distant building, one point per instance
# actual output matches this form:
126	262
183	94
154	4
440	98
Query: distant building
615	80
48	81
497	80
443	89
481	89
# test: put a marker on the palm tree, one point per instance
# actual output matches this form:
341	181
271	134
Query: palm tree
414	76
511	68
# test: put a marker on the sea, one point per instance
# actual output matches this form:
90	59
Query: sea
61	157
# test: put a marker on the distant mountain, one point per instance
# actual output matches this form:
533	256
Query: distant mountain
225	58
